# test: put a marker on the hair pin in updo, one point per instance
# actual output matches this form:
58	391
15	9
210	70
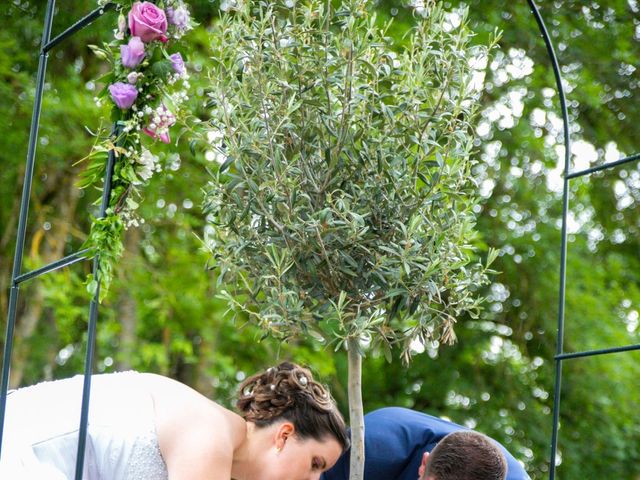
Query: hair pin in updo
272	387
303	380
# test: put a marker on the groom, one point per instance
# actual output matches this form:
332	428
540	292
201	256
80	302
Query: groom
402	444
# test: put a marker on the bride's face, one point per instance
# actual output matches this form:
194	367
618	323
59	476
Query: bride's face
304	459
293	458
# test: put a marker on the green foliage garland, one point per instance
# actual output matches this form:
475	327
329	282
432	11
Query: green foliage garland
146	86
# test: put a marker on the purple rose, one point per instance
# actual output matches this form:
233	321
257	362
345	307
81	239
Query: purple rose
123	94
148	22
133	53
177	63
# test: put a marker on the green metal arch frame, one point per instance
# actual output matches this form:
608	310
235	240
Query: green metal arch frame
18	277
568	176
47	44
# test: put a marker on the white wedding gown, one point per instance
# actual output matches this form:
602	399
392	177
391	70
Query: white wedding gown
41	431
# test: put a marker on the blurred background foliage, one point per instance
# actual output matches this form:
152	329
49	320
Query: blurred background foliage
162	315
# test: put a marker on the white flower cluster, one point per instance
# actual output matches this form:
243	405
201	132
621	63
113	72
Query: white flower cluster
421	7
147	164
178	14
133	124
179	97
175	77
217	152
228	5
129	216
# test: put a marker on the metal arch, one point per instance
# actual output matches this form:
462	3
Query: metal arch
568	175
18	277
47	44
93	320
563	248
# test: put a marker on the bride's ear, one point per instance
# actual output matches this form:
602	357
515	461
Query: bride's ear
284	431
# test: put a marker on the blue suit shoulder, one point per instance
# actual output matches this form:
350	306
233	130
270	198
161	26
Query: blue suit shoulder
396	438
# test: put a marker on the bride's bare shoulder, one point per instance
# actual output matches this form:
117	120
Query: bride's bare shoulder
184	418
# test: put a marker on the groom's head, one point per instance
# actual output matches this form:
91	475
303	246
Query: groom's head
464	455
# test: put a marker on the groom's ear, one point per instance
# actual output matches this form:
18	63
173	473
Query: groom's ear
423	466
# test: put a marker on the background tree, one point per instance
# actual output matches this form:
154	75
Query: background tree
499	376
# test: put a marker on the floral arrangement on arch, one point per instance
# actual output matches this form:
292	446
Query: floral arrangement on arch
146	87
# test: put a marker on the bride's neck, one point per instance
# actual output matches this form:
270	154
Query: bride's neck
244	455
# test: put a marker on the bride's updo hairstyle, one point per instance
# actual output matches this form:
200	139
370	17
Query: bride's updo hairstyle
289	392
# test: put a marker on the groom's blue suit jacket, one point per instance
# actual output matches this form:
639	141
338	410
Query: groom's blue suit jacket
396	438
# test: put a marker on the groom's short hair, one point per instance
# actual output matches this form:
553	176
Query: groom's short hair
466	455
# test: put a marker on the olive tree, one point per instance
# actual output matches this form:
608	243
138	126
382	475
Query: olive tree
342	203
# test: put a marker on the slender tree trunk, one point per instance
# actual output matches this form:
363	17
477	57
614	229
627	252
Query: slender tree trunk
127	317
206	352
356	414
7	252
127	309
25	328
61	197
48	370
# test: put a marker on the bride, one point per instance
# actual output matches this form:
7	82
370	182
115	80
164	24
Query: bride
146	426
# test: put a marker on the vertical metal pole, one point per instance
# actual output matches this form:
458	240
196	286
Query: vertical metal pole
560	334
24	211
563	248
93	320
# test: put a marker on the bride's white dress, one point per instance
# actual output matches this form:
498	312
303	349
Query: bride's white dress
41	431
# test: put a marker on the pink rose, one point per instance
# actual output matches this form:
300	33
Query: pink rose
160	121
147	22
133	53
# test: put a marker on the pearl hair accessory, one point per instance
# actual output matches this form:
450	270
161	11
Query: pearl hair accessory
272	387
303	380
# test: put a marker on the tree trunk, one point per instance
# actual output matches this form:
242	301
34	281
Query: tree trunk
356	414
206	353
7	249
6	253
58	207
127	310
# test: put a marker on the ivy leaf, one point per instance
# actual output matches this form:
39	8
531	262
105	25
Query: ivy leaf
162	69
